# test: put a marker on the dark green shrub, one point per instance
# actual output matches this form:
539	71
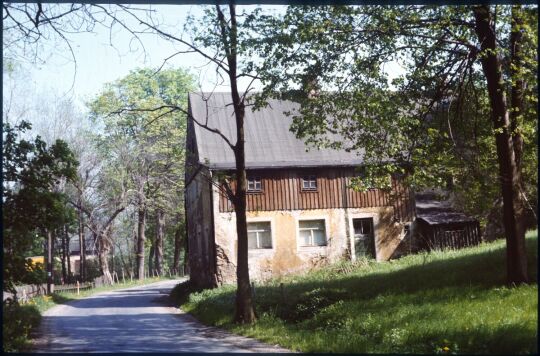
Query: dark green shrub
35	273
307	305
180	293
18	322
92	269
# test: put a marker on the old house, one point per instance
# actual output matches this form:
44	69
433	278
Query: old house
301	210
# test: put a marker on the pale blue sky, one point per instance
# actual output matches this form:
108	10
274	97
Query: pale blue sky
98	62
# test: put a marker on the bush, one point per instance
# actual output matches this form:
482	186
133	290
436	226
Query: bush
307	305
35	273
18	322
92	269
181	292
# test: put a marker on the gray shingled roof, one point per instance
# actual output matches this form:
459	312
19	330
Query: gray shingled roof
269	143
435	212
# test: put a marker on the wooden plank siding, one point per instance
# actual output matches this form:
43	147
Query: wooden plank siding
454	235
282	190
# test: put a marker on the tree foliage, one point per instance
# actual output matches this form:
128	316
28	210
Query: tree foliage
435	122
31	172
143	132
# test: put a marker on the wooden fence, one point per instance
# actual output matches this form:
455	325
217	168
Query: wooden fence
73	287
449	236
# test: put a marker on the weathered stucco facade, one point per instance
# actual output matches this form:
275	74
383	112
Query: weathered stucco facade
286	255
200	229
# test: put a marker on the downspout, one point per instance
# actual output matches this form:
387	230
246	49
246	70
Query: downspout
347	227
186	230
212	230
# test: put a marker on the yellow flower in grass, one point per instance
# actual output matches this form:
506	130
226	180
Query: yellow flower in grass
446	349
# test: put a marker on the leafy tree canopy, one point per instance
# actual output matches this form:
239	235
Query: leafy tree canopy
32	173
141	112
432	122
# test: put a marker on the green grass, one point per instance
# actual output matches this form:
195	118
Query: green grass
20	320
439	302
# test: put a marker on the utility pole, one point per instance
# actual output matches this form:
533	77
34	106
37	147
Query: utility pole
49	262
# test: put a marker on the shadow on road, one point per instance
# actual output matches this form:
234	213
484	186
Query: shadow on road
136	332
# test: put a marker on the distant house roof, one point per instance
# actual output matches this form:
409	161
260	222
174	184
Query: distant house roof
436	212
269	142
74	247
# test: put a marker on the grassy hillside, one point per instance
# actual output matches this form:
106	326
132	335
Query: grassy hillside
441	302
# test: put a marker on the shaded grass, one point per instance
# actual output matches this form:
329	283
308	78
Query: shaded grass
448	302
20	320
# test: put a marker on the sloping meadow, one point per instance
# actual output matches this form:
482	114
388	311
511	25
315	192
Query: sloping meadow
438	302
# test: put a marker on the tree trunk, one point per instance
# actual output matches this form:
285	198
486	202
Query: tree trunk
97	244
151	258
103	237
82	252
177	247
140	241
104	262
518	84
516	258
50	255
68	253
245	311
158	251
63	256
517	107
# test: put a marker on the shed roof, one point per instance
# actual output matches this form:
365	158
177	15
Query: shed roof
269	142
436	212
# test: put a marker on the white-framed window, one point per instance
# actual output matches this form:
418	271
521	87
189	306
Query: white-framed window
312	232
259	235
309	182
254	184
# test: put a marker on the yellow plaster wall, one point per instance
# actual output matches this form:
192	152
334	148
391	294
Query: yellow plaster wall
287	256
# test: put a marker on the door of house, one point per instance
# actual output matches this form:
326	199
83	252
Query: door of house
364	241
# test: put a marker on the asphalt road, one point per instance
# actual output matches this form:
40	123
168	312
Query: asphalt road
135	319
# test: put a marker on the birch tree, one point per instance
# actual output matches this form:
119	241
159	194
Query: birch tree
135	113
